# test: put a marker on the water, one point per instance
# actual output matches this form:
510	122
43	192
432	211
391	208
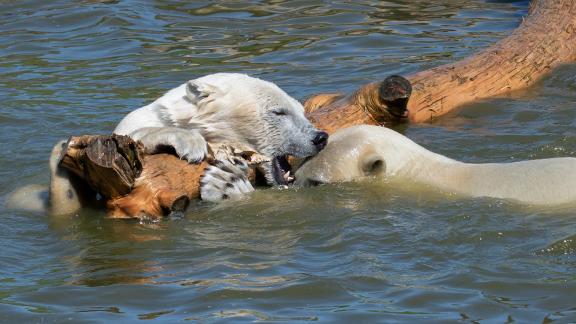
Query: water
360	252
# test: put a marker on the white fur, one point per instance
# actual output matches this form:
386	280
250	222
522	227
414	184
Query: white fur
30	198
225	180
354	152
60	198
223	108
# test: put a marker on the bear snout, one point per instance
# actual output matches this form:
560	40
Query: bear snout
320	140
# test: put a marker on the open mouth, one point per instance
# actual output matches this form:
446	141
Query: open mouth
281	170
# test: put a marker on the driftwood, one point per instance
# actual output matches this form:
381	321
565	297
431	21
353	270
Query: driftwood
544	40
108	164
167	184
131	183
135	184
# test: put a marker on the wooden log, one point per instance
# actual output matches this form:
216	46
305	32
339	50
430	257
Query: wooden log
131	183
167	184
109	164
544	40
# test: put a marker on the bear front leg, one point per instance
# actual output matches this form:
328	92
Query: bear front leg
225	180
189	144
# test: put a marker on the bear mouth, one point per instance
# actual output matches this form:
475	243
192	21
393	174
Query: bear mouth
281	170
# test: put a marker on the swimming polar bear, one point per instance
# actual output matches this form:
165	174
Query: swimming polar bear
65	194
227	108
372	151
224	108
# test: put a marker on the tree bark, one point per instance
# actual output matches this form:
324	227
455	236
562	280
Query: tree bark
131	183
167	184
544	40
108	164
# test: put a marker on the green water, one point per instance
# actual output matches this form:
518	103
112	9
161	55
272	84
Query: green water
360	252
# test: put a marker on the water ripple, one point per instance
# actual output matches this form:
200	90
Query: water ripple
365	252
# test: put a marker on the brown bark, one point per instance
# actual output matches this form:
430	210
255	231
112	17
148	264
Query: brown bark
167	184
133	184
544	40
109	164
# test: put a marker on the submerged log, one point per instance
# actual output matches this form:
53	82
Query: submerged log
167	184
544	40
131	183
135	184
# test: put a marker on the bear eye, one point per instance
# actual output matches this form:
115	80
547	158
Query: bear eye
279	112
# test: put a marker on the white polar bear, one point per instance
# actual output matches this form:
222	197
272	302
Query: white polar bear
227	108
372	151
224	108
65	194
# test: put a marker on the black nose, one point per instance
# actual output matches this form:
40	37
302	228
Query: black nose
320	140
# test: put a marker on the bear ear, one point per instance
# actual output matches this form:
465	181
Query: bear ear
373	165
199	93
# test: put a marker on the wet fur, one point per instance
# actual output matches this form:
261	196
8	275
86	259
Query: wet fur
372	151
225	180
223	108
65	195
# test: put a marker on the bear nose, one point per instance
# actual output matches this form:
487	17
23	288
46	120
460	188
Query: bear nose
320	140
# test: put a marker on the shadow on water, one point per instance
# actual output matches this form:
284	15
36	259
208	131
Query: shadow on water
362	251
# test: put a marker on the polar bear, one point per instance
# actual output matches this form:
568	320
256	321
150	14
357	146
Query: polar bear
227	108
372	151
65	194
224	108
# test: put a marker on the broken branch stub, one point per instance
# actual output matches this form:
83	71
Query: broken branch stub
376	103
109	164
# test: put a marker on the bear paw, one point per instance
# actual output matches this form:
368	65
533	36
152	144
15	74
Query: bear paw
192	148
225	180
189	144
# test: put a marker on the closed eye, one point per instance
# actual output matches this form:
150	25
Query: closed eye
279	112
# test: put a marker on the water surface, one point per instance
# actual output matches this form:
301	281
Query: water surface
363	252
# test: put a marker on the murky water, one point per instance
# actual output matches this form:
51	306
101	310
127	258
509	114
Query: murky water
350	252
